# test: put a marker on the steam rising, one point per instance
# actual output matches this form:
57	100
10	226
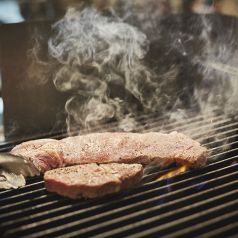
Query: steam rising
102	62
95	51
218	66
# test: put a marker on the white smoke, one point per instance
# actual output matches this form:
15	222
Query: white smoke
38	67
218	67
99	55
101	62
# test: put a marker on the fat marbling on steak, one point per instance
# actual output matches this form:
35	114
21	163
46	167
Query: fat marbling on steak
110	147
92	180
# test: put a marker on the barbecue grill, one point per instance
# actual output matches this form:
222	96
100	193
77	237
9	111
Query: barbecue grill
201	203
173	202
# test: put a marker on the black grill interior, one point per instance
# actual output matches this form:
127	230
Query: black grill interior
195	203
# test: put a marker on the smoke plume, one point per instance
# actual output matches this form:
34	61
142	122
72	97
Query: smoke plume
113	70
100	61
218	66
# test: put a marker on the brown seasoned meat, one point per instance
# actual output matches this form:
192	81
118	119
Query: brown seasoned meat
32	145
45	154
148	148
92	180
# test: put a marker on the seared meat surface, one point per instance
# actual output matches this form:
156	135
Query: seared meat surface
45	154
92	180
148	148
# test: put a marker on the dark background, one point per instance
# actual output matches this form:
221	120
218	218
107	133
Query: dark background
35	108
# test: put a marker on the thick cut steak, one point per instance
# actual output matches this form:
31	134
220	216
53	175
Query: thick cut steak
92	180
45	154
148	148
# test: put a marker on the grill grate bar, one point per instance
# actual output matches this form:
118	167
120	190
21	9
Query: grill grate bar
221	148
190	129
147	119
193	219
196	127
166	214
162	122
223	231
6	194
24	196
140	118
63	217
197	229
6	146
112	126
191	126
213	157
213	129
27	187
216	204
151	187
224	146
222	140
216	136
30	200
146	189
59	224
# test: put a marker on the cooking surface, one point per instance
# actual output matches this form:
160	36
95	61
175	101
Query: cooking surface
200	203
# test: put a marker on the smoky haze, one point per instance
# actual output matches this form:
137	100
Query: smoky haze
102	62
218	67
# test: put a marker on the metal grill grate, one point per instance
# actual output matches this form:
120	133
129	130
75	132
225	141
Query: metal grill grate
201	203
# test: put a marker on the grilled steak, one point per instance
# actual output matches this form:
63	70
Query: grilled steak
92	180
147	148
45	154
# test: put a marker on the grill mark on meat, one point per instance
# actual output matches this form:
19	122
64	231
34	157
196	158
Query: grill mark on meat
156	148
92	180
